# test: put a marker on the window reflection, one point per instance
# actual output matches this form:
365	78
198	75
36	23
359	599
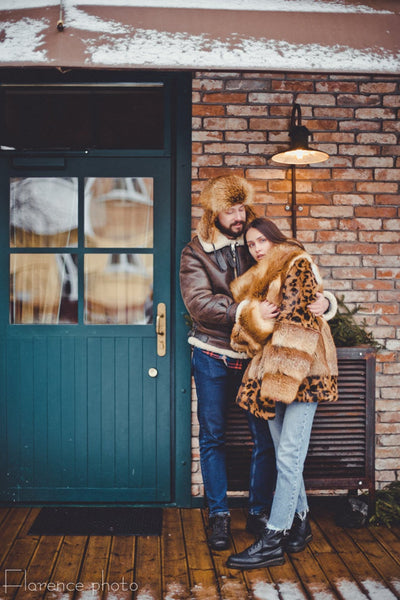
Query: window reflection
119	212
119	289
43	211
43	288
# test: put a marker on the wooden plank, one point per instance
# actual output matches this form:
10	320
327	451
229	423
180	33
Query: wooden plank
358	564
120	575
389	540
175	579
40	568
231	582
94	568
311	576
202	577
65	575
340	577
13	569
382	560
21	550
340	580
3	514
339	564
148	567
30	519
10	528
257	581
286	581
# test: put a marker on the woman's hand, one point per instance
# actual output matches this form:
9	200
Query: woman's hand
319	306
268	310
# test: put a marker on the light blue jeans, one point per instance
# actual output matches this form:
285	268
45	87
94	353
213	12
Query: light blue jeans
290	431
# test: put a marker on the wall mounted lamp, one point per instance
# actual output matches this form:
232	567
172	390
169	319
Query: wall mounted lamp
299	153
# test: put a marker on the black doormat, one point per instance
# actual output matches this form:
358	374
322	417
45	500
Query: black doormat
97	521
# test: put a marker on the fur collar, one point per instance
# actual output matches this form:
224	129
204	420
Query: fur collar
256	281
221	241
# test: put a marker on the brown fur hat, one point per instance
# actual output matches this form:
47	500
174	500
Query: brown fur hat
220	194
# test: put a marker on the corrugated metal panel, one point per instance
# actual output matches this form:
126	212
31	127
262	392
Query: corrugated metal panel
342	449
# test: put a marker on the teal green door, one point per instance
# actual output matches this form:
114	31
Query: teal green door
85	413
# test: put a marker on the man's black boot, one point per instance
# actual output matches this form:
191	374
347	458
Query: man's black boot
266	552
256	524
220	530
299	536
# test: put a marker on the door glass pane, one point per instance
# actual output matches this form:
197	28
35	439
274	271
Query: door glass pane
43	211
119	212
119	289
43	288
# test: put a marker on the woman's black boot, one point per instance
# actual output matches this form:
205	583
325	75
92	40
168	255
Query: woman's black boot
266	552
299	536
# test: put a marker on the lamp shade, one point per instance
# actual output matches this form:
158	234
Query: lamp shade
299	152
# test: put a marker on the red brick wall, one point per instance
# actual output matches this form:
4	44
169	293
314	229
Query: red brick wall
350	204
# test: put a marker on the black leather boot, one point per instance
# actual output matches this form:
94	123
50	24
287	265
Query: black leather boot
220	530
256	524
299	536
266	552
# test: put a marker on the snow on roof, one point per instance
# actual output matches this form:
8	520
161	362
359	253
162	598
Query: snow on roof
310	35
261	5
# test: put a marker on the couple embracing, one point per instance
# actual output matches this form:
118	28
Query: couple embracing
260	336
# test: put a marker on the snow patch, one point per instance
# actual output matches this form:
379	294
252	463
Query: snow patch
22	40
156	48
350	590
377	590
262	590
175	591
204	593
292	590
146	594
320	591
341	6
396	585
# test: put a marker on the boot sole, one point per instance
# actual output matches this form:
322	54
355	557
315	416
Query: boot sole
217	548
273	562
299	548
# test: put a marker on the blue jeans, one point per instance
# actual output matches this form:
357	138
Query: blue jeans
291	431
217	385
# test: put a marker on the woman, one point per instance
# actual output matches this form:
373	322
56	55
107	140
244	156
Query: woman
293	367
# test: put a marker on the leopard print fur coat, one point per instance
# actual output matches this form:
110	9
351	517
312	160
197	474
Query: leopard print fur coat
293	356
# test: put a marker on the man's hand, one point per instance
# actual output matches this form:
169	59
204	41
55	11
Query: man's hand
268	310
319	306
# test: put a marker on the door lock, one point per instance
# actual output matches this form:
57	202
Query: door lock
161	329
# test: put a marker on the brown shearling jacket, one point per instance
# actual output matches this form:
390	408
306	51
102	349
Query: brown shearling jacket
206	272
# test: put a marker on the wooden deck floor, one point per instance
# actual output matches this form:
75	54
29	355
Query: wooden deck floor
349	564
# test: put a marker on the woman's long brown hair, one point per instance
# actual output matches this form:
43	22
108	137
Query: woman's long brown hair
271	231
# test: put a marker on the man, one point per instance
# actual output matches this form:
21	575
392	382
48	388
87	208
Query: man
209	263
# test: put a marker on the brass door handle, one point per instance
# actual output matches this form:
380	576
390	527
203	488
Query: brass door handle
161	329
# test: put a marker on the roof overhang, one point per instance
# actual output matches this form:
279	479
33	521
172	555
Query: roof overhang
337	36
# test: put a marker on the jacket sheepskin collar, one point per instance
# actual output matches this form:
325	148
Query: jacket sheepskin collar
221	241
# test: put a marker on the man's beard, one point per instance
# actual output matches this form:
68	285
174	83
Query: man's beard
228	231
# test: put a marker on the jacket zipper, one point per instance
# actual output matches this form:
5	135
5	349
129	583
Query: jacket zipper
234	256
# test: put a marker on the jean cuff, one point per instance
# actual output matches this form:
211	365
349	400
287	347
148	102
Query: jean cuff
302	515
